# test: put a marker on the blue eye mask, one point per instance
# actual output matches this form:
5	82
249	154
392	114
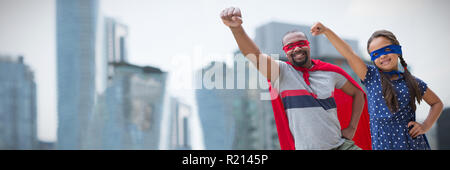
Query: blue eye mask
396	49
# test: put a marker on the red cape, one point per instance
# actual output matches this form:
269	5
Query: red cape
344	111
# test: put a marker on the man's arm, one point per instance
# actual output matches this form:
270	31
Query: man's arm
357	108
232	18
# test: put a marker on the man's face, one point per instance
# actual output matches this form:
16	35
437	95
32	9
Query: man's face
297	56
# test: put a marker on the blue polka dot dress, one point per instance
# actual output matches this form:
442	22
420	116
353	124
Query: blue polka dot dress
389	131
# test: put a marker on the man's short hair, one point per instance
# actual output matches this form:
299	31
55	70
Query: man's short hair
293	31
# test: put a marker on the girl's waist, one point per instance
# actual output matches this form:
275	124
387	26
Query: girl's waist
392	121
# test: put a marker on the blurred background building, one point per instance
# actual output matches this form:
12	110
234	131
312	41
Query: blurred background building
215	107
44	145
128	115
18	115
115	43
442	126
180	131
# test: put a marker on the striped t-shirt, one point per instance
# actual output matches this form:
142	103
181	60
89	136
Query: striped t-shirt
311	109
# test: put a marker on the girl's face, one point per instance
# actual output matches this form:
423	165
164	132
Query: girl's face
387	62
297	56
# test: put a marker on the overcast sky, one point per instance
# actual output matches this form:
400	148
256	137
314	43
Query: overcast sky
165	32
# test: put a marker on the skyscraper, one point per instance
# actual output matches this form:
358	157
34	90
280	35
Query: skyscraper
115	42
116	37
76	46
180	133
18	114
215	107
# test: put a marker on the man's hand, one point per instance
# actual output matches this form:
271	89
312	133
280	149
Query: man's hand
318	28
231	17
348	133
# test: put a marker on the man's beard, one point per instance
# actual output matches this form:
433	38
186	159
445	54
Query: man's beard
301	63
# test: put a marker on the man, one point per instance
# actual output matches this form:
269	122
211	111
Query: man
306	116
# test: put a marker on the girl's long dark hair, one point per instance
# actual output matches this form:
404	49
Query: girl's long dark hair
388	90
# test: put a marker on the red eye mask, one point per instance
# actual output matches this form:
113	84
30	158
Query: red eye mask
300	44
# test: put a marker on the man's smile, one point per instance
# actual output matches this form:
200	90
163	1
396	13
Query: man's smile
299	56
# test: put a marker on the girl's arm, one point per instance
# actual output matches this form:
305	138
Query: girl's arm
355	62
435	111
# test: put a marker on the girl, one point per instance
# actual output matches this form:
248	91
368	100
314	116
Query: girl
392	94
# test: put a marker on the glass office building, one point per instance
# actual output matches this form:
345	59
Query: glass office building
18	114
76	26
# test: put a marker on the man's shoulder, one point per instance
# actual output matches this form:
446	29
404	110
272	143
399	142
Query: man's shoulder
283	64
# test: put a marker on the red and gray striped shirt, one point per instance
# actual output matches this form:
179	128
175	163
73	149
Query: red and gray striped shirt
311	109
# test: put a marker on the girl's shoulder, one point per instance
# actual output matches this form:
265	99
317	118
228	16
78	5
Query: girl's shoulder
422	85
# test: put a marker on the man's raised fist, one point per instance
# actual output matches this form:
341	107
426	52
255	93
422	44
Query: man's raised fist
231	17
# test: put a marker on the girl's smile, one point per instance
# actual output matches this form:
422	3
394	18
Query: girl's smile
385	61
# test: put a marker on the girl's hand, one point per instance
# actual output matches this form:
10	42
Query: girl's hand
318	28
418	129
